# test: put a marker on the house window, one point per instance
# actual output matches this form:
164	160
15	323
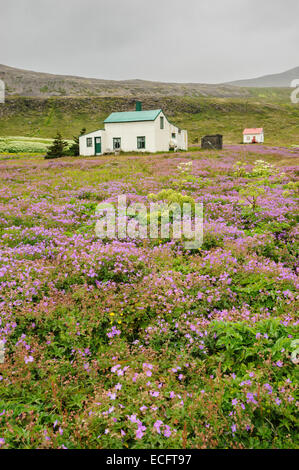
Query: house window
141	142
116	143
161	122
88	141
173	135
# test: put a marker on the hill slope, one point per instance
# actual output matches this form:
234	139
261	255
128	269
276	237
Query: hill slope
28	83
201	109
36	117
282	80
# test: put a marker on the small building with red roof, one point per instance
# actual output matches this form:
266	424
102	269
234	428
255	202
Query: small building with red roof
253	136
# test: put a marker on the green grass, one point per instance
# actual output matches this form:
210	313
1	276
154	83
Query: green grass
266	108
19	144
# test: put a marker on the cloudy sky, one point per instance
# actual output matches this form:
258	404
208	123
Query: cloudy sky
168	40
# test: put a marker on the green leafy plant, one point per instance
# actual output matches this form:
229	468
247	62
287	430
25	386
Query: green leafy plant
263	169
251	192
171	196
74	149
239	169
58	147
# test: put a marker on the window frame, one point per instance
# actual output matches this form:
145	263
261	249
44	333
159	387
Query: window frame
139	142
89	142
116	140
161	122
173	135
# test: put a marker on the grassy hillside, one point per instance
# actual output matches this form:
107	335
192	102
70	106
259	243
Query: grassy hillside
268	108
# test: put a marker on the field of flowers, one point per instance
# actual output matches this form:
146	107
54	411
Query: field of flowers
142	343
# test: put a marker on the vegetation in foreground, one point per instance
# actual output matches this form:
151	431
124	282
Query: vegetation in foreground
142	344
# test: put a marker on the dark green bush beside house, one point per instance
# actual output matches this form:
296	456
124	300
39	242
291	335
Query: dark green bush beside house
58	147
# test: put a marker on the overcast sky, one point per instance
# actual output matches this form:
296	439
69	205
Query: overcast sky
208	41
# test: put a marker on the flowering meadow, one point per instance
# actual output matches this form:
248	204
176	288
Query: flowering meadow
142	343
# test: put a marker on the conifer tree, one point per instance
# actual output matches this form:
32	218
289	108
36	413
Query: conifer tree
74	149
57	149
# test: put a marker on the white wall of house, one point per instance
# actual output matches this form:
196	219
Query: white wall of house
163	137
181	139
156	139
87	151
169	136
248	138
128	133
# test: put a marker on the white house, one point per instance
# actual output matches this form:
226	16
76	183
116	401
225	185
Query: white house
134	131
253	136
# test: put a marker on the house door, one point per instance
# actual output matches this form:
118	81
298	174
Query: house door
98	145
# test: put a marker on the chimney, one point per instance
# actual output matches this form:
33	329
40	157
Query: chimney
138	106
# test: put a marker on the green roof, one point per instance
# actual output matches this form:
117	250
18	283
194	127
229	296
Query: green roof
133	116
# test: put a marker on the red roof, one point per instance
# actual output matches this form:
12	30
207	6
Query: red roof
259	130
